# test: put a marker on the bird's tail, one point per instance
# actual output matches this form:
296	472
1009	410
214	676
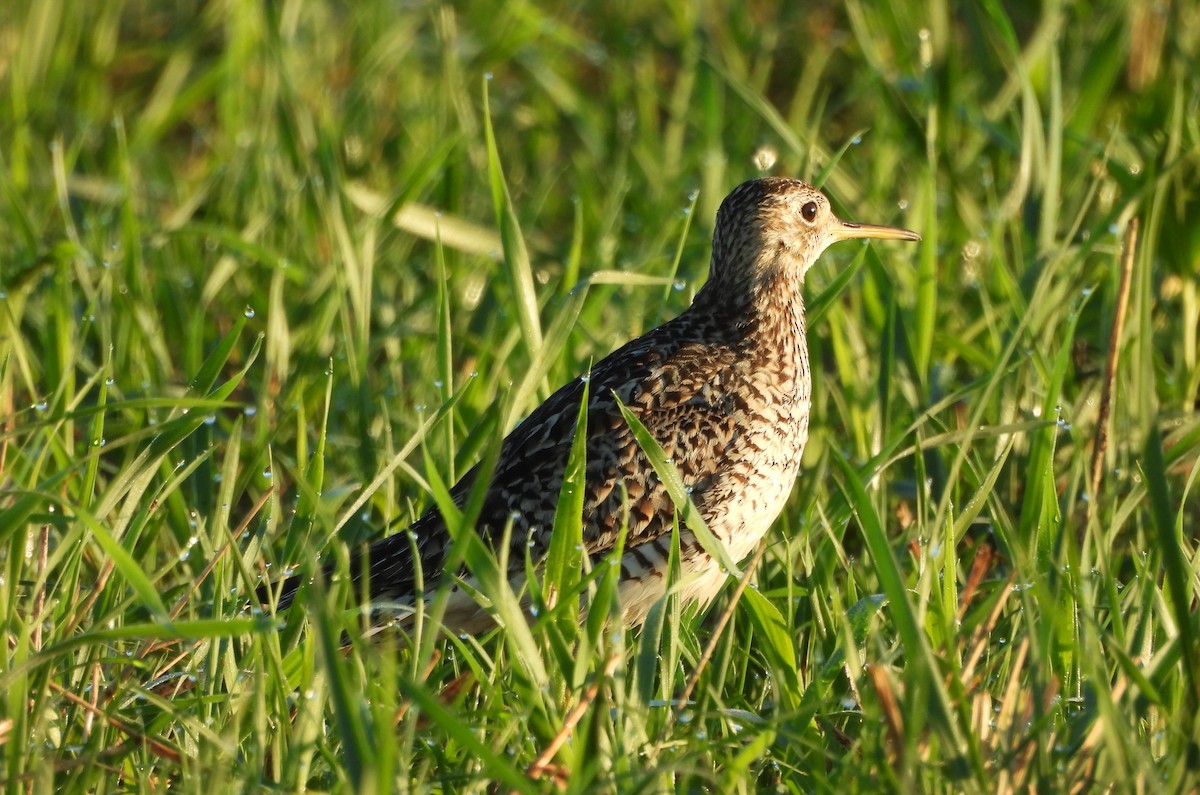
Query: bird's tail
280	593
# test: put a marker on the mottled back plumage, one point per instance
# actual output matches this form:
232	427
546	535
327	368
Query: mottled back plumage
725	390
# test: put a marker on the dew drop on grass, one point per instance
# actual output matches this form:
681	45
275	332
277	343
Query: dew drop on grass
249	311
680	285
266	473
250	411
41	405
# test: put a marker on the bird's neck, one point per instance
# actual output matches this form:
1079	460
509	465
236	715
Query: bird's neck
767	314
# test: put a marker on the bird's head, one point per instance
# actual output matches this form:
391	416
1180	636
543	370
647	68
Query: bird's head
776	227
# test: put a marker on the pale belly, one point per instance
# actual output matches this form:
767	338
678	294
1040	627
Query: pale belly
750	507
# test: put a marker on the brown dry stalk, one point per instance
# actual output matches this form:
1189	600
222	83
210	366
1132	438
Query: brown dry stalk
711	648
542	764
984	555
156	747
39	600
981	641
1128	255
893	719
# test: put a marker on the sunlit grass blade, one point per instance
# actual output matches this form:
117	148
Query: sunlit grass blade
564	559
516	256
926	690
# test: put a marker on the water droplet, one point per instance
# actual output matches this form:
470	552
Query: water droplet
487	75
266	473
41	405
765	157
250	411
679	285
856	140
249	312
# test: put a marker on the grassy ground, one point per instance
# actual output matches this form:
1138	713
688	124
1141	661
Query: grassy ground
229	338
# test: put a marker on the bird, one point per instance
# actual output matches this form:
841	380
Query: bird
725	388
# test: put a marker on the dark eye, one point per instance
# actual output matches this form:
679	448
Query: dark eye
809	211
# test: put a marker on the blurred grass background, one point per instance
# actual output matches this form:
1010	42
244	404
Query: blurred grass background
254	295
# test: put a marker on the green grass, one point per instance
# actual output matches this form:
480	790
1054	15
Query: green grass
276	274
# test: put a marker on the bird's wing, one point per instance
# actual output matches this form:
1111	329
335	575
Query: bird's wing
674	384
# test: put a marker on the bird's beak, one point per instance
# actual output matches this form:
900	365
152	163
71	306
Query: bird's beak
844	230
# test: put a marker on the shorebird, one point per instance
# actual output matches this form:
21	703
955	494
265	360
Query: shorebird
725	388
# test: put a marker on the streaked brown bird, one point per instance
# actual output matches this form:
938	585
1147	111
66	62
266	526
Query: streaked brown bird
724	388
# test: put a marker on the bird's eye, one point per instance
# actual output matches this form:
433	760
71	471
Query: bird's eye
809	211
